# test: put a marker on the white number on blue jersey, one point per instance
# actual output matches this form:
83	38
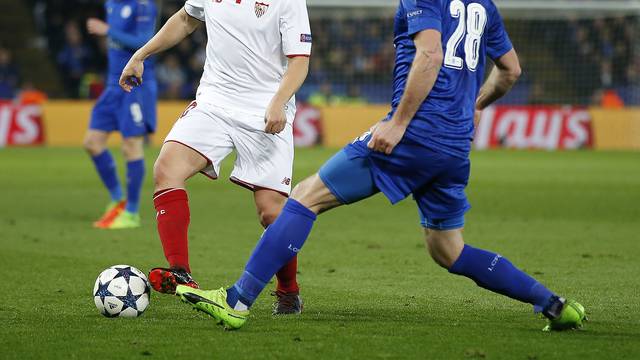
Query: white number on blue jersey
457	11
475	23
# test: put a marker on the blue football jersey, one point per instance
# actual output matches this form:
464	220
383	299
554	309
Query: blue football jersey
131	25
471	30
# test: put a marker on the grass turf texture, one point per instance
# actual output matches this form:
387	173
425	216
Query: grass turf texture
571	219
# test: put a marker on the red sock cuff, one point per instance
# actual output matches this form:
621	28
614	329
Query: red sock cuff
160	192
169	195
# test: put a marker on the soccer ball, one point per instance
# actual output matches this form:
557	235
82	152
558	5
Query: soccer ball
121	290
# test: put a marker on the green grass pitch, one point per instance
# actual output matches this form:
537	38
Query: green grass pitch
572	219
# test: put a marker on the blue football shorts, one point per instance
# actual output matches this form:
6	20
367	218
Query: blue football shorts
132	114
437	181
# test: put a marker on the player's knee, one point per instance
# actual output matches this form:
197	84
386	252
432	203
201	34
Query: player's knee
267	216
444	246
304	194
299	190
132	148
93	145
161	172
314	195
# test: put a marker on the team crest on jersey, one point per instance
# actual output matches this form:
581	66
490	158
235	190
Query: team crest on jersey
261	9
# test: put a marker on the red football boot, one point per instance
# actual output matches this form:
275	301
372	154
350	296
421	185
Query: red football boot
165	280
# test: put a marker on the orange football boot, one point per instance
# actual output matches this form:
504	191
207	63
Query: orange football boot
113	210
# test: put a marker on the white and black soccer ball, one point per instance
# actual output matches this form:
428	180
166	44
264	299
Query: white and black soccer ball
123	291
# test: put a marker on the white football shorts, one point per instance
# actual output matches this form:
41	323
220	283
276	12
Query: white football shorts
263	161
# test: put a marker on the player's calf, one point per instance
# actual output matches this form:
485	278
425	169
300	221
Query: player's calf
496	273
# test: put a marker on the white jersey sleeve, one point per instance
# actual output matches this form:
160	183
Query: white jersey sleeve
195	8
295	28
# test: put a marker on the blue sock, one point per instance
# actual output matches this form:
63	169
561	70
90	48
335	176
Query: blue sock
495	273
280	243
106	167
135	176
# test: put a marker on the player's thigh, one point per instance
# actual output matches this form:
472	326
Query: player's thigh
341	180
177	162
349	179
201	130
313	193
442	202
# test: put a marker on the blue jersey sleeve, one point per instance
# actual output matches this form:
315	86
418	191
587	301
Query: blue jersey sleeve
145	27
498	42
423	15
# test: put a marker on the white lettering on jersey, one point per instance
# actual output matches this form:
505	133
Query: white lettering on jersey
474	24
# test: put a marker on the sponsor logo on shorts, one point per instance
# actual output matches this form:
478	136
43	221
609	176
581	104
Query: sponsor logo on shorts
286	181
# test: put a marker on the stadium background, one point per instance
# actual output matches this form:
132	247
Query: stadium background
580	89
569	218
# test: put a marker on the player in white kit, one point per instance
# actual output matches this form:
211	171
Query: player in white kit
257	58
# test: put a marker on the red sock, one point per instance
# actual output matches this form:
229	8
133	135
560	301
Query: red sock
287	282
172	215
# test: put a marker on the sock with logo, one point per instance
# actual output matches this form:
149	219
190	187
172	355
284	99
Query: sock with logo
287	276
172	215
279	244
495	273
135	176
106	167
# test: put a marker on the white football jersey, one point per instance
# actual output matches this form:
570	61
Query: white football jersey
248	42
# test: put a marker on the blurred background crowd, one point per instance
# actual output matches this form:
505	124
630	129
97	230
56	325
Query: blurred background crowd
352	57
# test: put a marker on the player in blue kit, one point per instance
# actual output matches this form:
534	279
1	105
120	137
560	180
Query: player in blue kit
421	148
130	24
